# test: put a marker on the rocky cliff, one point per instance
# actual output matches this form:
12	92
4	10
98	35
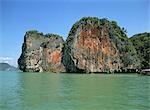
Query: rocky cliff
98	45
141	43
41	53
93	45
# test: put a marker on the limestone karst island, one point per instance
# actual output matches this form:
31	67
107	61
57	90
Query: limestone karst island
74	54
93	45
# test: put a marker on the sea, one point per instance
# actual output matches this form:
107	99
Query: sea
54	91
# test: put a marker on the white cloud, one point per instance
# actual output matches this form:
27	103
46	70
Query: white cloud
5	58
8	60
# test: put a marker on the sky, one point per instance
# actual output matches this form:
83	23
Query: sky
58	16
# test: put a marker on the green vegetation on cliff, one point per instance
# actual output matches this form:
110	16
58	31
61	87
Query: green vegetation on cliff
141	43
125	46
117	35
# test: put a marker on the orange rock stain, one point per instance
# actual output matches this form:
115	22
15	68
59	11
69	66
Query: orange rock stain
55	57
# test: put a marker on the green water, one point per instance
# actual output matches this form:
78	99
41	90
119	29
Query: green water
49	91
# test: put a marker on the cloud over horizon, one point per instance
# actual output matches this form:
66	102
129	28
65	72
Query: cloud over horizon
8	60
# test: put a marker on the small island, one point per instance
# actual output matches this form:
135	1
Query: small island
7	67
93	45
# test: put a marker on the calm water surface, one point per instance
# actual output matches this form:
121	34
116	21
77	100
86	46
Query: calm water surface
49	91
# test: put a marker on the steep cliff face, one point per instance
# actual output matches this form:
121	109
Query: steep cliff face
141	43
98	45
41	53
93	45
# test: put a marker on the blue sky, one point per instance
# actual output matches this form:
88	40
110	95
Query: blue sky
58	16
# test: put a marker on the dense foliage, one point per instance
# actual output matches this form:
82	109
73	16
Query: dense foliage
141	43
128	53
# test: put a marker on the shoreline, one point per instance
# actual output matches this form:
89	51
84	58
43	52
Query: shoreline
96	73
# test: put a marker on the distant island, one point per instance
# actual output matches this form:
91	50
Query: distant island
7	67
93	46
